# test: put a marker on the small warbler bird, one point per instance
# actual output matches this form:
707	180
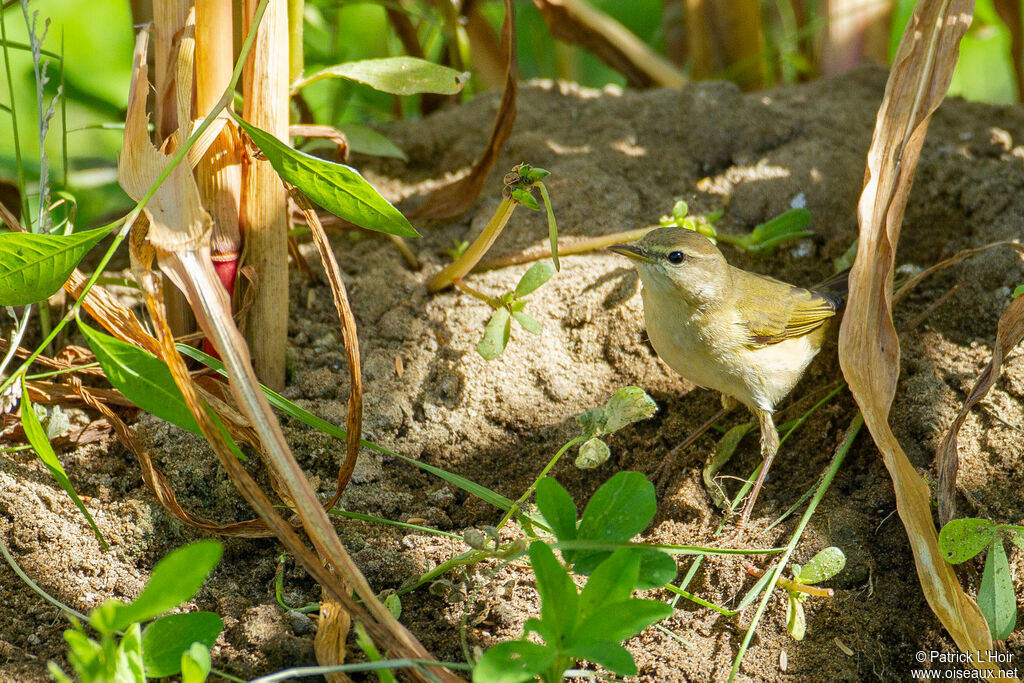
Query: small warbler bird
748	336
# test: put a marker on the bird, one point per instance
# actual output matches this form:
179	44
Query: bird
748	336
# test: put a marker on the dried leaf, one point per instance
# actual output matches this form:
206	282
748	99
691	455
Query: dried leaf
1009	334
331	635
578	22
455	198
868	344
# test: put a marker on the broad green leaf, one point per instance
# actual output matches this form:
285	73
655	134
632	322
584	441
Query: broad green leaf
593	453
611	656
962	539
796	621
558	508
513	662
396	75
822	566
996	598
552	226
195	664
538	274
1016	538
783	226
496	334
364	140
656	567
620	509
626	406
338	188
612	581
394	605
33	267
175	579
559	601
528	322
142	377
617	621
41	445
166	639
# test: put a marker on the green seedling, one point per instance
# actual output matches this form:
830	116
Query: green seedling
787	227
588	625
510	306
962	539
1018	291
618	511
457	249
168	645
626	406
822	567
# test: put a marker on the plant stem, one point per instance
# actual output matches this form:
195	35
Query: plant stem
475	252
792	585
837	460
533	487
575	247
476	293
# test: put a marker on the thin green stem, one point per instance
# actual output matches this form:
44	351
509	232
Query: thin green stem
471	557
63	371
475	252
32	584
129	220
578	246
476	293
543	473
837	460
27	215
680	593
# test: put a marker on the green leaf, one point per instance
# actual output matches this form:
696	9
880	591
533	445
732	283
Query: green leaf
538	274
754	591
962	539
656	567
552	226
559	606
784	225
130	666
796	621
822	566
1016	538
558	508
338	188
165	640
496	334
593	453
528	322
1018	291
626	406
396	75
617	621
142	377
513	662
41	445
33	267
526	198
591	421
175	579
620	509
610	655
995	595
612	581
394	605
364	140
195	664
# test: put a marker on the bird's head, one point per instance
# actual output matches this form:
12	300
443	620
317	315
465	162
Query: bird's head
681	263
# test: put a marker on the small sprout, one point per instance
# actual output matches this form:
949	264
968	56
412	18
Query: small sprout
822	567
525	198
510	305
393	603
1018	291
456	251
474	539
789	226
593	453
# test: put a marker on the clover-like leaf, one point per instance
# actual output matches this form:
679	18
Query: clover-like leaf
593	453
528	322
537	275
822	566
626	406
962	539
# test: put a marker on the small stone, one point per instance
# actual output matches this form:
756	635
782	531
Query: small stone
300	622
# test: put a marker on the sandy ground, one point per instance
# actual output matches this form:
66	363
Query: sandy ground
618	161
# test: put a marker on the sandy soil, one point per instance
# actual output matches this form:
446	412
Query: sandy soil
618	161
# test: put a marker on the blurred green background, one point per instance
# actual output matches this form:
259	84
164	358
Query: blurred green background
96	39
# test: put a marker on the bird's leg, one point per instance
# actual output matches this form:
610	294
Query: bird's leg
769	447
728	403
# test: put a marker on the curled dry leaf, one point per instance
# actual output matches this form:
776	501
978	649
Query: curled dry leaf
455	198
868	344
331	635
1009	334
579	22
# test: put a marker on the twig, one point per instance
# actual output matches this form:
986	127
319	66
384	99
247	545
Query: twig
578	246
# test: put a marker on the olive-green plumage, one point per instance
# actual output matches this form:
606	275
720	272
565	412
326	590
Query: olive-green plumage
748	336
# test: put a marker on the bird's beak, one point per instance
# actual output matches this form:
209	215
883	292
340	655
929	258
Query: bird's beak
629	251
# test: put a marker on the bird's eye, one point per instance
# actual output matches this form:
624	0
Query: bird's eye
675	257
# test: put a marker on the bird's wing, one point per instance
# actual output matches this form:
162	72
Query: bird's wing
774	311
